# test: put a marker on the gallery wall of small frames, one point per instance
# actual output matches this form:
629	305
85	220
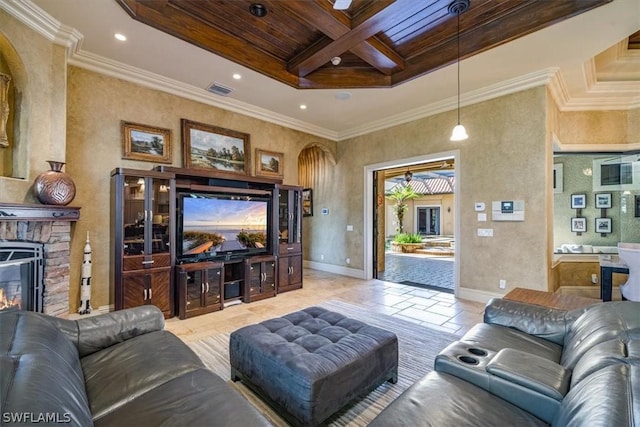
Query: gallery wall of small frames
602	224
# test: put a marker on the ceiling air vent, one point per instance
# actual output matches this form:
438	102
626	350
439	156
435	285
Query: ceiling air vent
219	89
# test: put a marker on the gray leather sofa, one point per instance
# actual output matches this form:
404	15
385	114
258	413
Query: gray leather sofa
116	369
528	365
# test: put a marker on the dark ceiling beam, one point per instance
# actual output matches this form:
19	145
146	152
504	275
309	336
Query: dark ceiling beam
344	78
522	18
396	12
162	16
372	51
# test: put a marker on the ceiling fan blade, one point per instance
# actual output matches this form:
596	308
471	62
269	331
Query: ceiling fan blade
341	4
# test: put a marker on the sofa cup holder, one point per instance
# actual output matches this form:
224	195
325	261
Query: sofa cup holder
477	351
468	360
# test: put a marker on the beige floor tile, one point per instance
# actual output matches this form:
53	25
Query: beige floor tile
429	308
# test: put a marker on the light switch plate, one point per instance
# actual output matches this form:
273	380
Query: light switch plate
485	232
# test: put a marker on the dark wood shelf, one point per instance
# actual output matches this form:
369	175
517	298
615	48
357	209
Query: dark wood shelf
35	212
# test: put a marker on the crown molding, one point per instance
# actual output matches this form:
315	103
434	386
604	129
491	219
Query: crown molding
559	147
600	95
150	80
539	78
41	22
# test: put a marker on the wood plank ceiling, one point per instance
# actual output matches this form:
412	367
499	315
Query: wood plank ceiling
381	43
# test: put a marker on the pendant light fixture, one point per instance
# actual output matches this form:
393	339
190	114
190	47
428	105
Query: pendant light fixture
457	7
408	175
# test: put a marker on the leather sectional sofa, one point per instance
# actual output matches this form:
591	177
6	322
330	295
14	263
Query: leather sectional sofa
528	365
116	369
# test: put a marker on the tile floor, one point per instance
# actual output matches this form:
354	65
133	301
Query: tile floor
427	270
432	309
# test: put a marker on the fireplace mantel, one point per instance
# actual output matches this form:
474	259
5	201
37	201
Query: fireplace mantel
34	212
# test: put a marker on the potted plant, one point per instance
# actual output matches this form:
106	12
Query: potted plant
406	243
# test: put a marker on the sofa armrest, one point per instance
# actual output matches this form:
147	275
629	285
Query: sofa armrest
548	323
95	333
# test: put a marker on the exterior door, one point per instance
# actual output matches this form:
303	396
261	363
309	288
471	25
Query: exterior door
428	220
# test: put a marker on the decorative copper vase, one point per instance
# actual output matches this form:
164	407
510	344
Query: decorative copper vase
54	187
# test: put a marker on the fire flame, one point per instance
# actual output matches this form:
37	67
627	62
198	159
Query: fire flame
6	303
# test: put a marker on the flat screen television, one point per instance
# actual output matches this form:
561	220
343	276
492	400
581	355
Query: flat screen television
214	226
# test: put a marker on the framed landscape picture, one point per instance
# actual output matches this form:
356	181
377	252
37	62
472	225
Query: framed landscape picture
603	200
147	143
269	163
603	225
214	148
578	201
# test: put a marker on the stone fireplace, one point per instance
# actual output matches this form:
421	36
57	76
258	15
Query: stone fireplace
51	227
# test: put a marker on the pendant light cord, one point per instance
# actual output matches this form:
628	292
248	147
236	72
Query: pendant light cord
458	67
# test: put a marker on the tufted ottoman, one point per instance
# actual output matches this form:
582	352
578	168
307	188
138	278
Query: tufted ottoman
310	363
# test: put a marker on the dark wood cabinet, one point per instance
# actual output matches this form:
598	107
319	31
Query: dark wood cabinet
260	278
199	287
143	230
150	287
289	226
289	273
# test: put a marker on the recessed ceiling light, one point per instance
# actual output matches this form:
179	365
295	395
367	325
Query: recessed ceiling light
303	106
237	76
258	10
120	37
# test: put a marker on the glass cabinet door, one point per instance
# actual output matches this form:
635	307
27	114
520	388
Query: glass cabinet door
146	214
195	282
158	219
134	215
283	216
212	286
289	221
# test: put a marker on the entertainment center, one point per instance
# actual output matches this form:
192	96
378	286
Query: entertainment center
193	241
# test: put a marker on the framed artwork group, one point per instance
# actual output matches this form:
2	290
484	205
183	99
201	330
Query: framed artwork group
204	146
603	225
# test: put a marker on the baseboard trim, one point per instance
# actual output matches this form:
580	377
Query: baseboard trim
96	311
330	268
475	295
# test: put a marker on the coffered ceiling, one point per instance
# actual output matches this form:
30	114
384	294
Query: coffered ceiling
383	43
582	56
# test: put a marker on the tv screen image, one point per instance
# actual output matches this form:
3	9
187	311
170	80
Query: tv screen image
213	224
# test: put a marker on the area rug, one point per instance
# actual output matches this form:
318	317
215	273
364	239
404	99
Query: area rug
417	345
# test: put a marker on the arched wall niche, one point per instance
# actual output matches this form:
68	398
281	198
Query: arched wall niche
315	162
14	158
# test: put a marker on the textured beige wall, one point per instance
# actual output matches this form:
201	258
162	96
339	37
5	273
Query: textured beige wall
39	72
504	159
599	127
96	105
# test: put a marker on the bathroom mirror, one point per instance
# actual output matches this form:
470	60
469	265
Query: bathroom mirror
611	184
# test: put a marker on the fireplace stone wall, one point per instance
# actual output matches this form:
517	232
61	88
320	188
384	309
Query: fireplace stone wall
51	226
56	236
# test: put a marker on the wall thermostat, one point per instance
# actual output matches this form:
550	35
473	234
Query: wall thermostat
507	210
506	207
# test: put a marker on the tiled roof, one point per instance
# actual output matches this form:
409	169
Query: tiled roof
429	185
